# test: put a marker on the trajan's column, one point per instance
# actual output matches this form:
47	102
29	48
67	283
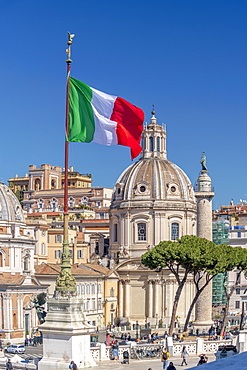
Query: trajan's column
204	194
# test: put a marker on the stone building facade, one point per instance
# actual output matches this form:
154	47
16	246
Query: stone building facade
18	285
153	200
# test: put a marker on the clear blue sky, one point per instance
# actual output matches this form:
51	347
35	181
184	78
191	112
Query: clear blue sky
189	58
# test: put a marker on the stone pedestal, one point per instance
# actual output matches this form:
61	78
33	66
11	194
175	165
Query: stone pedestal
66	335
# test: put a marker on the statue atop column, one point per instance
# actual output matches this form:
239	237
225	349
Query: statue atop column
203	162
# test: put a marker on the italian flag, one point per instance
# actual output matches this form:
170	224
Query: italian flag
102	118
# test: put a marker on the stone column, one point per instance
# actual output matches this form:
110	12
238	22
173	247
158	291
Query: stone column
204	195
127	298
150	298
20	311
7	309
120	299
157	298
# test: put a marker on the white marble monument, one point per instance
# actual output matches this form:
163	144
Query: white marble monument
66	335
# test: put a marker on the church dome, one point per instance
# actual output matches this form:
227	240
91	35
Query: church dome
10	208
153	178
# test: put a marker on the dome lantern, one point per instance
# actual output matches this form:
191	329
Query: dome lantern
154	139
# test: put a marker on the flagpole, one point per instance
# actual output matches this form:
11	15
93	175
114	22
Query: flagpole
65	283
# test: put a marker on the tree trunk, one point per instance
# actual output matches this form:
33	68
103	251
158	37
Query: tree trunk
199	291
175	303
228	297
225	314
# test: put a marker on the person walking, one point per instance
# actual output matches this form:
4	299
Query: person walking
9	365
115	350
184	355
164	358
171	366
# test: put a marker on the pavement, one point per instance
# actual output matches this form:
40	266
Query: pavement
154	364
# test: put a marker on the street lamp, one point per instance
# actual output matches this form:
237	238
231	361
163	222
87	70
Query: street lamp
137	325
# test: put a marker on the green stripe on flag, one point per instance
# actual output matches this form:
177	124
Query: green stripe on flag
81	117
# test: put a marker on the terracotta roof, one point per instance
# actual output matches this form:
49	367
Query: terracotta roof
79	270
104	270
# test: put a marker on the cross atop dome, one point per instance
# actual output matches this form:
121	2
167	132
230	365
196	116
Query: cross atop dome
153	120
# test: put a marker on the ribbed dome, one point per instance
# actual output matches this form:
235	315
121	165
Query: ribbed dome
154	179
10	208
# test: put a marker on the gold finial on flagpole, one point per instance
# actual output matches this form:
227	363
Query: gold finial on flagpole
68	51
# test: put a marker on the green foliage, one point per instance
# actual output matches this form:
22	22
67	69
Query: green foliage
19	195
189	252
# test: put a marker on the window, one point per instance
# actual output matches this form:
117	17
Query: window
158	144
71	202
93	289
80	253
87	305
58	238
239	234
99	304
93	304
43	248
141	231
174	231
53	184
96	249
99	288
237	304
57	254
71	253
237	290
112	292
101	216
88	289
40	203
98	204
115	230
83	289
43	233
53	203
151	144
77	289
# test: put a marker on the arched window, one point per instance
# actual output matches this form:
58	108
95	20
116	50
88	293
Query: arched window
141	231
83	289
93	289
37	185
53	203
151	144
99	288
88	289
158	144
71	202
53	184
1	259
174	231
40	203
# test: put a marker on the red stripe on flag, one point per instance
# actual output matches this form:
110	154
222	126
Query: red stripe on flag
129	120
